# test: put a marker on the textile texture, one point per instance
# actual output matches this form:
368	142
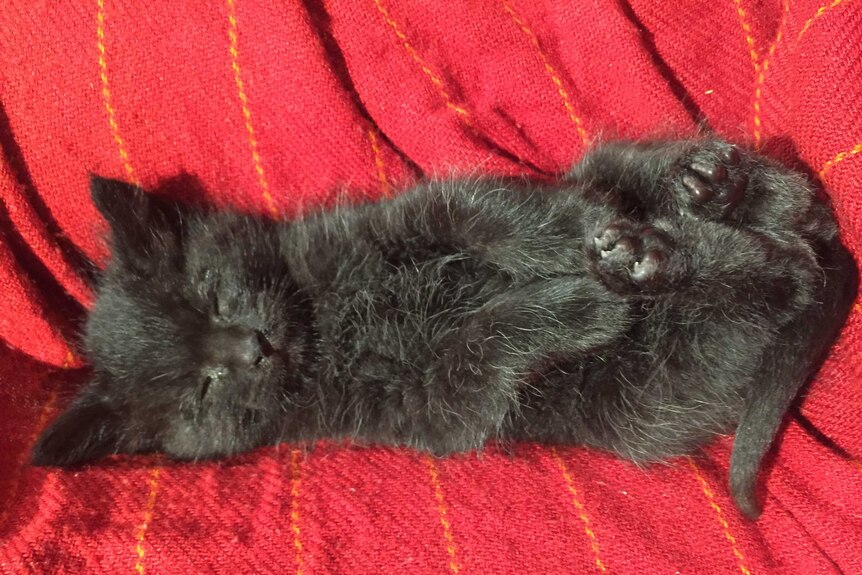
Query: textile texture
278	106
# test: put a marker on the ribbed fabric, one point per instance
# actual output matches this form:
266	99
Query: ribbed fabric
279	106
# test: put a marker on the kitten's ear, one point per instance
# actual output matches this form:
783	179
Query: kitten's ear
89	429
141	223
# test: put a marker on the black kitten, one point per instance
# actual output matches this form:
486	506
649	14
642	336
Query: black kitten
664	293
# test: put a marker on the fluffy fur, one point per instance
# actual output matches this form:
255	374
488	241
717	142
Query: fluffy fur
663	293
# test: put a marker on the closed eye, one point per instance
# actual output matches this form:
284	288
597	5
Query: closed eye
209	286
216	306
205	387
266	348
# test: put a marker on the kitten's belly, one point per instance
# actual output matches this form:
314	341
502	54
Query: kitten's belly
396	323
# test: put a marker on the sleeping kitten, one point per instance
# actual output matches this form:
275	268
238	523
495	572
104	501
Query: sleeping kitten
663	293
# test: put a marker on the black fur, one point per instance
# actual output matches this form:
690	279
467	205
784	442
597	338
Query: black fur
663	293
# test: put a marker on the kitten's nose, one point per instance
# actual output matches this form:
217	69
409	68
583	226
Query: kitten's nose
234	347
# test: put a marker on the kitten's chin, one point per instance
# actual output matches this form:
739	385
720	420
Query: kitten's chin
221	437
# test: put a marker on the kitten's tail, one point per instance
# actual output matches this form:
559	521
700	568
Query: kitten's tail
786	367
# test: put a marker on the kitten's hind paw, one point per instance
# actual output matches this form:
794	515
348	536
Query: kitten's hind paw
713	179
630	257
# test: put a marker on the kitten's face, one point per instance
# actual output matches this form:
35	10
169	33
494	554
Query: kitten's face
196	337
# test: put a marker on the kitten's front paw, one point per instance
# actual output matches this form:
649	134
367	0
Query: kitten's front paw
631	257
713	179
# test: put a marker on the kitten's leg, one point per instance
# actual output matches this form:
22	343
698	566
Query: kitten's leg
784	367
721	182
474	385
686	255
524	232
631	174
707	178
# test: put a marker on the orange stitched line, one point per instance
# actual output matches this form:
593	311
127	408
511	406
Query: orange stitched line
246	112
462	114
141	531
106	93
725	527
385	186
749	38
820	12
551	71
50	404
840	157
764	67
582	512
443	513
295	485
47	408
44	416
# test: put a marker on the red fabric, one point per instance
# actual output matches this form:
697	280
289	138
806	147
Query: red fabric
276	106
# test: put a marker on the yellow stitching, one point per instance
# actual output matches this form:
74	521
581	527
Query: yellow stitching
725	527
442	512
49	405
840	157
44	416
246	111
463	115
582	511
749	38
761	75
106	94
551	71
820	12
141	532
295	485
385	186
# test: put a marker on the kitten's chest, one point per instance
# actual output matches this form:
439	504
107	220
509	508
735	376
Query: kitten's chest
402	314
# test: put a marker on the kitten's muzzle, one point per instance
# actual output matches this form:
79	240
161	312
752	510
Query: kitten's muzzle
234	348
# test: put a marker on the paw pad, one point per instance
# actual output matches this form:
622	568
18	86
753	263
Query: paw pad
713	177
630	255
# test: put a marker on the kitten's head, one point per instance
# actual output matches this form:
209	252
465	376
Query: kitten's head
197	336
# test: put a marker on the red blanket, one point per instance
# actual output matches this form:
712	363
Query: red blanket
279	105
